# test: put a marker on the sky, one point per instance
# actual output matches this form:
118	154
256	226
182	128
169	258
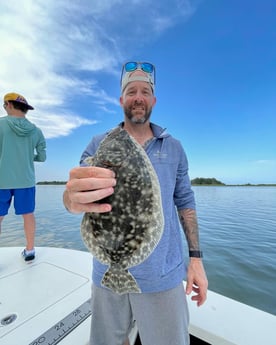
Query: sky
215	77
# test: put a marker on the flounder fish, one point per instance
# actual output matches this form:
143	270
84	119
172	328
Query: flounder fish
127	235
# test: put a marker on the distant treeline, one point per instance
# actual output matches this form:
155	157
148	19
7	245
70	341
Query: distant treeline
198	181
203	181
51	182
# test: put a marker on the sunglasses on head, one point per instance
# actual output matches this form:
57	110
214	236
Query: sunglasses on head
146	67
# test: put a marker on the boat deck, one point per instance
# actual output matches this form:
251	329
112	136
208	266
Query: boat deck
47	302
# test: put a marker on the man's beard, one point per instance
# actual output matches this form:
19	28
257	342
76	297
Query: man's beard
137	119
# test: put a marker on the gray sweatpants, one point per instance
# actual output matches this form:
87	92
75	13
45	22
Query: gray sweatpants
162	318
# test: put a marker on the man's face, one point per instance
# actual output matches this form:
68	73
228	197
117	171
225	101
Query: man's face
138	100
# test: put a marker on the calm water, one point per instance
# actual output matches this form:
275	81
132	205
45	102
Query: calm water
238	236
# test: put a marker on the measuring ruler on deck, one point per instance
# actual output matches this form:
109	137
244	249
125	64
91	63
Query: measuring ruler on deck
65	326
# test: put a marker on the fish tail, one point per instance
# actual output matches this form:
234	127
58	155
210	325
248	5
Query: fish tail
120	281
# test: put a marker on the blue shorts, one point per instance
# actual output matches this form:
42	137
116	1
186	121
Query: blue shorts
23	200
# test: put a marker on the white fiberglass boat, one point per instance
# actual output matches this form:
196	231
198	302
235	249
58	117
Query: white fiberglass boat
47	302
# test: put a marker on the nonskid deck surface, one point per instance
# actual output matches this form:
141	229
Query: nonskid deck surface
35	296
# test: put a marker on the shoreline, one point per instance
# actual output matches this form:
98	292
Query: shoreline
193	184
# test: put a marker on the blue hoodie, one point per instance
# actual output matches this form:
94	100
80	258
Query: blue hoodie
165	267
21	143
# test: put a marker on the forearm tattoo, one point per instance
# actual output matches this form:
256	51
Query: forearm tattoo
188	220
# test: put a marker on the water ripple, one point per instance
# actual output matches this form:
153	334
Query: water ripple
237	232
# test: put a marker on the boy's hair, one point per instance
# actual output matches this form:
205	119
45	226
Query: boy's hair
20	106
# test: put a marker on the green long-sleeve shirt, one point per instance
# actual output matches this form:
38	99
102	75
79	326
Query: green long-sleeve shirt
21	144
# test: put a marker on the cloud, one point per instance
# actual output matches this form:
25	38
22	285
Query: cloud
54	51
59	125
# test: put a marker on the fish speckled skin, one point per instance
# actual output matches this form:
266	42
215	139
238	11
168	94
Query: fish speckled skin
128	234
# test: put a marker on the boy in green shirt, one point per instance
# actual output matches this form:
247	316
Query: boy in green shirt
21	143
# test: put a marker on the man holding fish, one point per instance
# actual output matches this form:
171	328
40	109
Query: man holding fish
159	306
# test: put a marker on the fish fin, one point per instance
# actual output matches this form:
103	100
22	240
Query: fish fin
120	281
